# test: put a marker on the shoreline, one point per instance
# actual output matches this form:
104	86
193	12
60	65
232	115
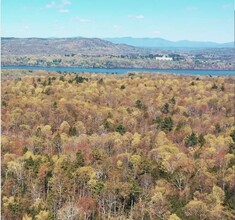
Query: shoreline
108	68
18	73
193	72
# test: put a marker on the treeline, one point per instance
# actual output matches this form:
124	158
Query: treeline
122	61
137	146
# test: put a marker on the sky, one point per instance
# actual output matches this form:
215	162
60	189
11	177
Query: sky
198	20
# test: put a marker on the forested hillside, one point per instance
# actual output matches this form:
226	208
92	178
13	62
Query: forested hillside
63	46
135	146
98	53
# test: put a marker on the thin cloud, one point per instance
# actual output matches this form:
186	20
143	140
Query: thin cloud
54	5
138	17
66	2
61	5
157	32
24	29
117	26
63	11
191	8
226	6
79	19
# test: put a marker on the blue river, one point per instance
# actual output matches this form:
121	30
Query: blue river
125	70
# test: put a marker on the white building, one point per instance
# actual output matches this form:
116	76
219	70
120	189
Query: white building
164	58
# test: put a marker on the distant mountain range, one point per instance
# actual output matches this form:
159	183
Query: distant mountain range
162	43
63	46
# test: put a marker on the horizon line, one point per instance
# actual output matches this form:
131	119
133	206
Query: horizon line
208	41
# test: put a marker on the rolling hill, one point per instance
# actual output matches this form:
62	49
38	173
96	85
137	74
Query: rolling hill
63	46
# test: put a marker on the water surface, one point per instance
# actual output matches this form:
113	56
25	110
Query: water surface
124	70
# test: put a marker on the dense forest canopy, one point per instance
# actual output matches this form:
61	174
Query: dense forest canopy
133	146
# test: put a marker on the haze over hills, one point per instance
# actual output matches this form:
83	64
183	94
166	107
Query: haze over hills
96	46
163	43
99	53
62	46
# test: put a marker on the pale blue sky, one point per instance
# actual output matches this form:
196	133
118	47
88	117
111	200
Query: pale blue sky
201	20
